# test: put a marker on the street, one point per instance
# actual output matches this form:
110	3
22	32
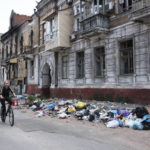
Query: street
30	133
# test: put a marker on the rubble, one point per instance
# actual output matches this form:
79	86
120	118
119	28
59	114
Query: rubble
112	114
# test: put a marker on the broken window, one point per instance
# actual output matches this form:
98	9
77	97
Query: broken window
65	67
31	38
98	6
77	24
80	65
50	29
43	32
16	45
126	57
2	53
99	61
125	5
51	23
6	51
32	69
11	48
21	45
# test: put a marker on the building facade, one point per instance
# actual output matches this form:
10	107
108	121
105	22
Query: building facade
87	47
56	20
17	44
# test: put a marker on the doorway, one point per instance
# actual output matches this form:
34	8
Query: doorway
46	80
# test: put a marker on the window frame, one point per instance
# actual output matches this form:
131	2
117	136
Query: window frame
129	63
62	65
103	63
77	72
32	70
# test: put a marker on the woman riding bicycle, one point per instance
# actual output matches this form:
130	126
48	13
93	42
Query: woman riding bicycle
5	95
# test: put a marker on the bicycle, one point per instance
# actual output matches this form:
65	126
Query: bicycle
7	112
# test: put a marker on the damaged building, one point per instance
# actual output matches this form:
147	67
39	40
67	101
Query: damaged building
17	43
87	47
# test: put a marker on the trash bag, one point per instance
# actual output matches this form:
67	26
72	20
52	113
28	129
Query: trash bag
80	114
129	123
112	113
71	109
61	103
146	122
51	106
112	124
42	104
91	118
85	118
80	105
87	112
146	125
137	125
140	112
63	116
123	113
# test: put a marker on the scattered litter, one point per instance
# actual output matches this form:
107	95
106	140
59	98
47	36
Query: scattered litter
63	116
80	105
113	115
71	109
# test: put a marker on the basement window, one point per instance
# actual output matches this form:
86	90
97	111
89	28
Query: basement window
126	57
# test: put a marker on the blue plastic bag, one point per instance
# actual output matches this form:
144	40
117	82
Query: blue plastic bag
51	106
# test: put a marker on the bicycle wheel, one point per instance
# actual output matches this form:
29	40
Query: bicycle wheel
11	117
3	115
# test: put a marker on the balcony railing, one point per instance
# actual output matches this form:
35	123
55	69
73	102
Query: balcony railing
51	36
92	23
140	4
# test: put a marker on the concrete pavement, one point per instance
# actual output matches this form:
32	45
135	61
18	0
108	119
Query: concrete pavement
30	133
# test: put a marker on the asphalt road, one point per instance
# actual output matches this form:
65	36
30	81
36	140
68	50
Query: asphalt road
30	133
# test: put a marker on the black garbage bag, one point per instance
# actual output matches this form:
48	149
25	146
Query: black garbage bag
110	114
146	122
87	112
140	112
146	125
91	118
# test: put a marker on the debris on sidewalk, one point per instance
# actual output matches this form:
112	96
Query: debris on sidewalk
112	114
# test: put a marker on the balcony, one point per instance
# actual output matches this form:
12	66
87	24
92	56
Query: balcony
59	37
141	11
95	24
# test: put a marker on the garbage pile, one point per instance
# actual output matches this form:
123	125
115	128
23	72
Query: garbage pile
135	118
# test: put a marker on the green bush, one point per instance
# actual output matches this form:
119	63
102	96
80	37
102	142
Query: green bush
31	98
41	97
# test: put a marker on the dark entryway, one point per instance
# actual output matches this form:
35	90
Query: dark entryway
46	80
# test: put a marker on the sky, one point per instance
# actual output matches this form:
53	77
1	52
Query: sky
25	7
